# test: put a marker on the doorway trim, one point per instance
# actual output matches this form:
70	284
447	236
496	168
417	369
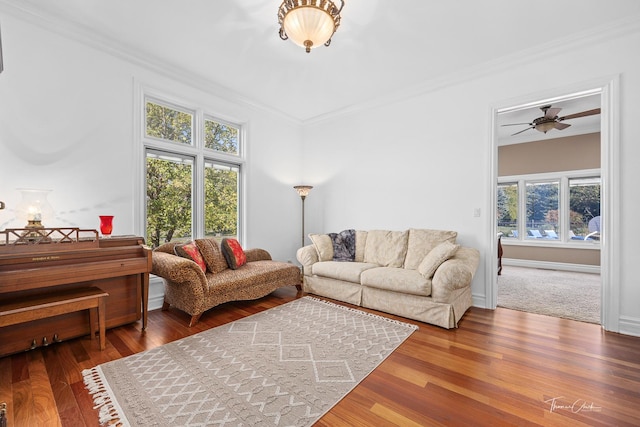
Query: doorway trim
608	88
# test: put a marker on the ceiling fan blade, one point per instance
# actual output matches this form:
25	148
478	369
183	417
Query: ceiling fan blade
561	126
524	130
516	124
551	113
582	114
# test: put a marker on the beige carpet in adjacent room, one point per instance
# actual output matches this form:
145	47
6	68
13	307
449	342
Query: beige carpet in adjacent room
564	294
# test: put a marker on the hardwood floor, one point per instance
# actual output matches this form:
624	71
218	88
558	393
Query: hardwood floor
499	367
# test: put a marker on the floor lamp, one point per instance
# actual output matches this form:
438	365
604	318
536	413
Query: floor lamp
303	191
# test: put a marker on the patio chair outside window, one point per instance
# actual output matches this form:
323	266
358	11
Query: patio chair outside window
535	234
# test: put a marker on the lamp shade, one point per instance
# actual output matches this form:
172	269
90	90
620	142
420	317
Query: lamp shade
303	190
309	26
34	206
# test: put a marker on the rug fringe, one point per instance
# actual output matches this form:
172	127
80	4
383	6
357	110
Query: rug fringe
354	310
108	414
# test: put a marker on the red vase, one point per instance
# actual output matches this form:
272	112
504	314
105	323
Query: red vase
106	225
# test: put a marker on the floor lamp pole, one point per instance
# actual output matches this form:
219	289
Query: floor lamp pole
303	191
302	197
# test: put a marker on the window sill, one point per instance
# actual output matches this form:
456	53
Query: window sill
548	243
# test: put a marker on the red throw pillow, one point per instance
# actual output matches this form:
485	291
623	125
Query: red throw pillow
190	251
233	253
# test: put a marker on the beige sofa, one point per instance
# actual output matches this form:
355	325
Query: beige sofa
419	274
194	291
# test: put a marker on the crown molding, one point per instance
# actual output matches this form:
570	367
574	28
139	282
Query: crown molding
603	33
78	32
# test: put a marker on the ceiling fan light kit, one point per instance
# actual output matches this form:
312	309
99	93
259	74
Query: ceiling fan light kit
309	23
550	120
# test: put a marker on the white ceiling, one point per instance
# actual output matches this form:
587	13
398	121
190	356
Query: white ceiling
383	49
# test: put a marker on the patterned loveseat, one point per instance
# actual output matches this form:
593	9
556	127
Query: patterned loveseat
194	291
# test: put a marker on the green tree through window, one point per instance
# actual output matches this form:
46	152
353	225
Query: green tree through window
220	137
168	199
221	200
169	124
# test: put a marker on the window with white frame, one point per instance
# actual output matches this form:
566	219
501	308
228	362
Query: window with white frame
562	207
193	172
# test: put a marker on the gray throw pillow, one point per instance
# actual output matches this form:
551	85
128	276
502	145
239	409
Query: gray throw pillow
344	245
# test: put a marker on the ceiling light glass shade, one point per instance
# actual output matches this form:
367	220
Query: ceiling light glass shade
308	26
309	23
545	127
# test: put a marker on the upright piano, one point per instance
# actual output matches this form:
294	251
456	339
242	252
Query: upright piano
119	266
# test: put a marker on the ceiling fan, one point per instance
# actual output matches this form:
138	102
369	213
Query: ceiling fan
550	120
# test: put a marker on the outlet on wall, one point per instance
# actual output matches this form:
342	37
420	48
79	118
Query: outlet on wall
476	212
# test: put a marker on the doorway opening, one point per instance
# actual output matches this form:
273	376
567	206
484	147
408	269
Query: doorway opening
543	152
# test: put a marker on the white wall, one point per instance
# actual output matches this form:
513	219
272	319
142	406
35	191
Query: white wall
67	124
425	161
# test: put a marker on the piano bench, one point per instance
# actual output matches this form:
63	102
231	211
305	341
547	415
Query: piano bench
51	304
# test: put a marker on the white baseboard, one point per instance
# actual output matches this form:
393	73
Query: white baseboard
547	265
629	326
479	301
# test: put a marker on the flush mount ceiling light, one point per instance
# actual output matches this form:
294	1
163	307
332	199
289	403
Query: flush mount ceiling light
309	23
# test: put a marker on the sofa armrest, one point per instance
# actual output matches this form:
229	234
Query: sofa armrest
177	269
455	273
257	254
307	256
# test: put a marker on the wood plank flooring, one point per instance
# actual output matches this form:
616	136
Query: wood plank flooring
499	367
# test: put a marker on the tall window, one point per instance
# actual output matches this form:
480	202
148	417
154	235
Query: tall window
193	171
221	199
547	208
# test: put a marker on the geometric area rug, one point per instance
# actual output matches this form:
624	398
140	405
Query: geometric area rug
286	366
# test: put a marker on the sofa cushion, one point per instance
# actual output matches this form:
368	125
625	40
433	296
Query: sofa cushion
210	250
386	248
437	256
361	241
397	280
190	251
323	245
422	241
347	271
233	253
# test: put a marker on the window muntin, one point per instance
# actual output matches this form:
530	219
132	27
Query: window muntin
221	137
507	212
542	209
168	123
169	190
